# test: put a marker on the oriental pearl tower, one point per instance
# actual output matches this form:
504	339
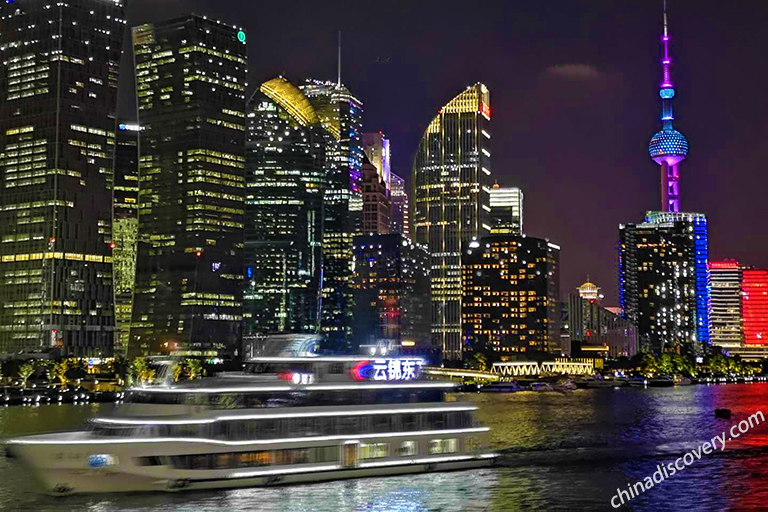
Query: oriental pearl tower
668	147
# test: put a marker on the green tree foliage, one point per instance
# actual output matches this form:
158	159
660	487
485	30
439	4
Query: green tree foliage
25	372
193	369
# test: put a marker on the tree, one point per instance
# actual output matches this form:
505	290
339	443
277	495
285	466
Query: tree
193	369
25	372
178	370
142	371
60	370
479	362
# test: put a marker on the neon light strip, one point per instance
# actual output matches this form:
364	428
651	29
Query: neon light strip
329	359
430	460
312	469
97	441
118	421
297	388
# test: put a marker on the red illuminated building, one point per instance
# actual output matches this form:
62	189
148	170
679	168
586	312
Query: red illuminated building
754	293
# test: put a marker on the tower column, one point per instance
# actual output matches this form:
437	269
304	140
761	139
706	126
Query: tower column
670	188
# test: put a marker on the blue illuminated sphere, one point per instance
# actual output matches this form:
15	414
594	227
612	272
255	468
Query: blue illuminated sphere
667	94
669	146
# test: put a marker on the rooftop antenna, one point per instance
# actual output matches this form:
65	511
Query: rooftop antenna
339	65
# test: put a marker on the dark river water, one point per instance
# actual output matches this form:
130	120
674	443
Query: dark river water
559	452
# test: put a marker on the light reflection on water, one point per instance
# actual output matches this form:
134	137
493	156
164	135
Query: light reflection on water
560	452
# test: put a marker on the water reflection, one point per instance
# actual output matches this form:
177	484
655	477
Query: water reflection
560	452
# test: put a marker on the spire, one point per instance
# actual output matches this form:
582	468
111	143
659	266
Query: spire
339	64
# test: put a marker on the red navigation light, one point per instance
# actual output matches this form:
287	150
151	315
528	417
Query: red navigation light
199	254
52	240
111	245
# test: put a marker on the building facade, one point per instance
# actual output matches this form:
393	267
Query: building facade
592	325
376	148
511	294
285	180
451	188
190	87
58	101
391	283
341	114
125	229
726	282
664	281
377	210
506	210
755	306
401	221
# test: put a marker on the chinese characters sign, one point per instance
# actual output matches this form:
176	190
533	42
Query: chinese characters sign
388	369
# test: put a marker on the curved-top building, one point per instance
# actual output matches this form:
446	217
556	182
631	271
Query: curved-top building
451	191
285	182
668	146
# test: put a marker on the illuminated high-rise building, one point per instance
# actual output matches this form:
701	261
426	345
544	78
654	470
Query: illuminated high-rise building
391	284
285	176
663	274
725	290
125	228
593	326
377	210
376	148
664	280
451	188
401	222
755	306
668	147
341	114
506	210
59	64
190	86
510	289
590	291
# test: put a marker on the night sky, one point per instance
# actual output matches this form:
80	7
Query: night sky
574	95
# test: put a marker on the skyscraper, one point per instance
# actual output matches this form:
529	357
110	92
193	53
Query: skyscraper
725	281
451	188
391	284
511	294
376	148
664	281
125	228
377	211
506	210
190	83
668	147
592	325
285	176
401	221
58	98
342	115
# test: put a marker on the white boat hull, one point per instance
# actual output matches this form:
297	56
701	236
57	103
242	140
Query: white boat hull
70	474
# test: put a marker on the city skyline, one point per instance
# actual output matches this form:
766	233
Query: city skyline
608	77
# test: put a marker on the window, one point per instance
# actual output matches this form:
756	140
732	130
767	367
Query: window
374	451
408	448
437	446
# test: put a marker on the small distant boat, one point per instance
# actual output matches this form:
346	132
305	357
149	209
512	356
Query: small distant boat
502	387
637	382
541	386
684	382
661	382
567	385
591	383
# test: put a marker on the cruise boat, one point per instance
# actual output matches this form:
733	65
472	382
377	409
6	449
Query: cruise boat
280	421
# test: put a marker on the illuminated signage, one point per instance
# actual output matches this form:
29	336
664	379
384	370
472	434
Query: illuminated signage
388	369
241	36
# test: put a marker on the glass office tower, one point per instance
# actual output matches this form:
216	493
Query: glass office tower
285	177
190	83
58	97
451	188
341	114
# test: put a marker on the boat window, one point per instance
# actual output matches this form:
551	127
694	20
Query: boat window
229	460
374	451
437	446
148	461
408	448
